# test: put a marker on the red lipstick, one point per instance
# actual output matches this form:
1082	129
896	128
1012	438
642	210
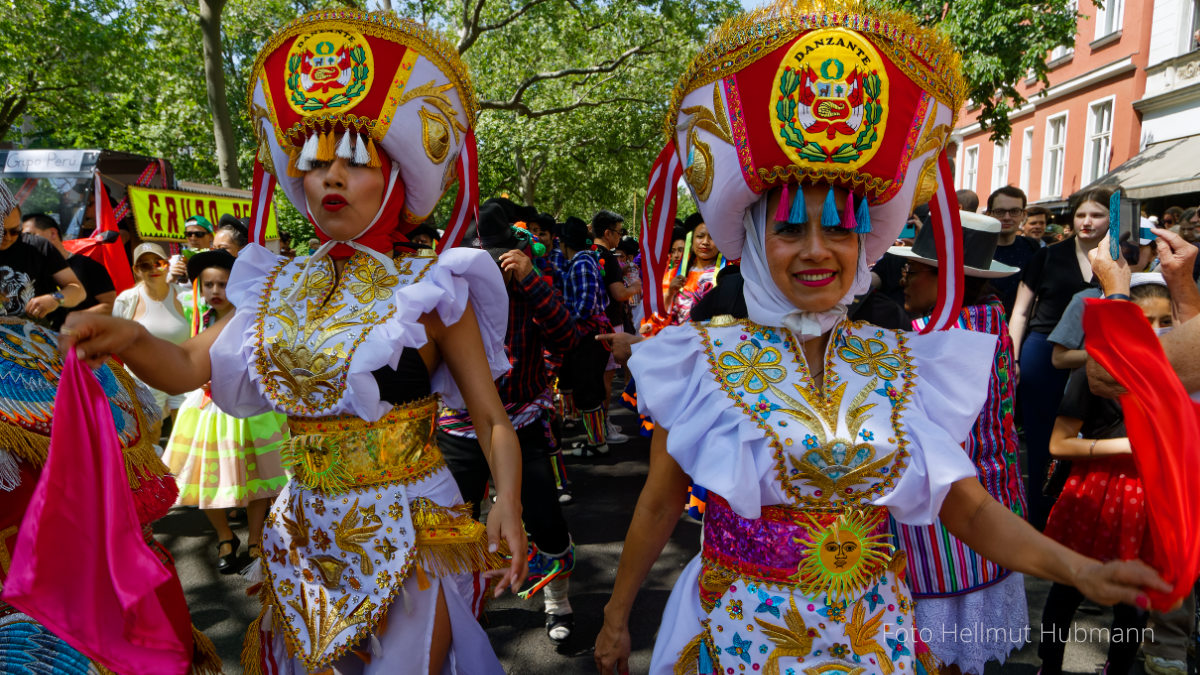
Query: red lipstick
333	202
814	278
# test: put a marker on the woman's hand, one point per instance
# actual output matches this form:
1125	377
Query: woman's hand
96	337
676	284
612	648
504	522
1119	581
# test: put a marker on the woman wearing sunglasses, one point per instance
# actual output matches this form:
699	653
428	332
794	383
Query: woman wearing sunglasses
154	303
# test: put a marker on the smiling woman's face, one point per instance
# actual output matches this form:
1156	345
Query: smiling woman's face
813	266
343	198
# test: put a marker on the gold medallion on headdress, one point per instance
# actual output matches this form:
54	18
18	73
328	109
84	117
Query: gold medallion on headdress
329	70
830	99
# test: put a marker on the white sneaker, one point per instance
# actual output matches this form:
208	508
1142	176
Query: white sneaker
612	434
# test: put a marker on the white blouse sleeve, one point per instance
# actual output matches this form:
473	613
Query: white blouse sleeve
460	274
953	371
716	444
232	354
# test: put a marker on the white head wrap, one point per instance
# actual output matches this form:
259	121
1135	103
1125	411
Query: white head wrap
765	302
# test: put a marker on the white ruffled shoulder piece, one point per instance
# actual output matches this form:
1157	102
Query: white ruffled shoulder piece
462	274
741	445
444	284
715	444
954	370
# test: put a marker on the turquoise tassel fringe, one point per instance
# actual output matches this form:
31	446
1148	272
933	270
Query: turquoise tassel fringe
829	216
799	213
863	216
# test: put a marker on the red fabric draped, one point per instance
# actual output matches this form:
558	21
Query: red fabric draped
81	565
1164	429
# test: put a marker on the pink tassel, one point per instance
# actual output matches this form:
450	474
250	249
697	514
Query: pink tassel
848	221
781	213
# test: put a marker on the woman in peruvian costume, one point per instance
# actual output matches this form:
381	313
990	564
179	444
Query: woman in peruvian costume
371	562
806	133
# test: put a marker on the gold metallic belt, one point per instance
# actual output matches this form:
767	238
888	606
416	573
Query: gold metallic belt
334	454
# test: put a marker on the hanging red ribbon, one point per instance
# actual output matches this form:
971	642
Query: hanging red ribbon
947	238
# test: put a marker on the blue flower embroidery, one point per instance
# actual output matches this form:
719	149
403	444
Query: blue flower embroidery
768	604
870	357
867	435
752	367
892	394
762	649
835	612
810	441
873	597
897	645
740	648
764	407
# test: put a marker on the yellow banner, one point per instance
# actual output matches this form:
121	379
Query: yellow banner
160	214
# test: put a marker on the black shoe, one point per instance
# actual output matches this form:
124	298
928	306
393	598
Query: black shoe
559	627
227	564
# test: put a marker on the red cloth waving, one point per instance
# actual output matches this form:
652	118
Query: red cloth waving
81	565
1163	426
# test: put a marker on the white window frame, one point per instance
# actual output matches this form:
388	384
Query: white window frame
1090	136
1049	189
970	173
1000	155
1026	159
1109	18
1059	52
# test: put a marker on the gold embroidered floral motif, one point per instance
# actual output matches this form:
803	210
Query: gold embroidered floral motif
370	283
386	548
350	533
297	529
329	570
834	669
869	357
751	367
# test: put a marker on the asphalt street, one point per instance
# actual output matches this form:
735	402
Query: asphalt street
606	490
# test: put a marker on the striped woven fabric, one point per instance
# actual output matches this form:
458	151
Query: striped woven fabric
938	563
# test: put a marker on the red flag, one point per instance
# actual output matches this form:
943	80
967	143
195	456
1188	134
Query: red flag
81	566
112	256
1163	424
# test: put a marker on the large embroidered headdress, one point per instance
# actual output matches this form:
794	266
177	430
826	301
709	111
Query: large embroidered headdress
375	88
824	92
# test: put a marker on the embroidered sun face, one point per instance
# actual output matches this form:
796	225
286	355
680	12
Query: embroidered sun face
840	559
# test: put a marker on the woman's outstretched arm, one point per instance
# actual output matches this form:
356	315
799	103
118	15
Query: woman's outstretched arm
168	367
981	522
657	512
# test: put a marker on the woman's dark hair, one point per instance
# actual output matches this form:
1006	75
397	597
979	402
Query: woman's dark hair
976	289
1100	195
678	234
1146	291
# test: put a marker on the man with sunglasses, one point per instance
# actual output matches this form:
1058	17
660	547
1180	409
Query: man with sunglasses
199	233
34	278
1007	204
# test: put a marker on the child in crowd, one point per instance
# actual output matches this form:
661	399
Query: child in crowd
221	461
1101	511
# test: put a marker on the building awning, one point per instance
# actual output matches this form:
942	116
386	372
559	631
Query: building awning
1161	170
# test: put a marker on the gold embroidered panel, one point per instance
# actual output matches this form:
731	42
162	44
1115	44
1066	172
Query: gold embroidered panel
835	446
307	339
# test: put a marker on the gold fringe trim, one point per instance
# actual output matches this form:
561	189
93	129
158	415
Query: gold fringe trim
252	648
101	670
689	657
204	655
450	542
294	156
373	162
24	444
326	148
748	37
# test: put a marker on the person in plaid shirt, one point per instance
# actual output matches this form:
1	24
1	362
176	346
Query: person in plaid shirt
582	371
537	320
